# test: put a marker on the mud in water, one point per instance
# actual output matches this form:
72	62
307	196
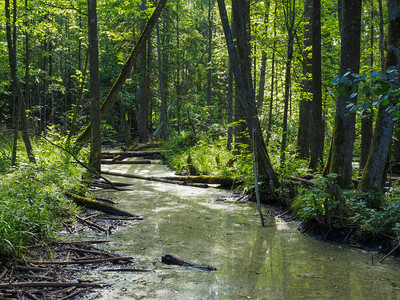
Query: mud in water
252	262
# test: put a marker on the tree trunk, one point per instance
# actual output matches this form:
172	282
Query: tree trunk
125	72
230	105
95	146
374	171
20	111
241	69
289	57
143	115
271	100
303	134
164	120
343	132
317	132
209	69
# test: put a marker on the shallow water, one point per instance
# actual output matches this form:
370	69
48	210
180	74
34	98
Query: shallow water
275	262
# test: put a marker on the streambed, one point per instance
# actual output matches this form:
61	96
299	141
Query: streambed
276	262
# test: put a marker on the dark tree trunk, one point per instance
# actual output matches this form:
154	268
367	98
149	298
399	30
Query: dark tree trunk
289	56
20	121
125	72
343	132
317	132
303	134
209	70
242	70
230	105
95	146
374	171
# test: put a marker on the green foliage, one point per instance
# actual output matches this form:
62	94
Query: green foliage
32	203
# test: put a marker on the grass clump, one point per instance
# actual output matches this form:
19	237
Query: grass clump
32	201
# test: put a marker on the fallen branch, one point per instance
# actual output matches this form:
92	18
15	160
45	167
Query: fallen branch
126	270
52	284
394	249
91	224
225	182
98	205
79	262
173	259
159	179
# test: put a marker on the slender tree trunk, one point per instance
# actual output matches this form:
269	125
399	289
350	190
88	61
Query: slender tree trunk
367	116
125	72
317	132
304	134
374	171
209	70
230	105
290	28
178	73
144	96
242	70
343	132
20	110
95	146
261	87
271	99
164	120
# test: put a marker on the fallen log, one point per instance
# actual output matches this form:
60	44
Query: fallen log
52	284
128	162
225	182
154	178
98	205
92	225
173	259
121	155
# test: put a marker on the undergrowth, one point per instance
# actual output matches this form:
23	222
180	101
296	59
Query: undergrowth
32	203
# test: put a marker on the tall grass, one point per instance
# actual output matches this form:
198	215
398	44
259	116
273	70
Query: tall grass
32	203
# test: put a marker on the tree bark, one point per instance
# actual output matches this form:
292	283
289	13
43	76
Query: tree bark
241	69
289	56
343	132
95	148
164	117
125	72
374	171
303	133
20	112
317	132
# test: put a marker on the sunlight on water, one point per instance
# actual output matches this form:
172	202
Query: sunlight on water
275	262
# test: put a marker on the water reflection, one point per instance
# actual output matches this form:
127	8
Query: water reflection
275	262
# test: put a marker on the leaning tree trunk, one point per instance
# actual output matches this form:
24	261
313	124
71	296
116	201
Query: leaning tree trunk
374	171
125	72
242	72
341	154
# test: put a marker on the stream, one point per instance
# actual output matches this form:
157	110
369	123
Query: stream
276	262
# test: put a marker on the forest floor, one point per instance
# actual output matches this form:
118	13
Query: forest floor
53	271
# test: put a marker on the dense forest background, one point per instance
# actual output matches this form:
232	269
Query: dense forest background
308	86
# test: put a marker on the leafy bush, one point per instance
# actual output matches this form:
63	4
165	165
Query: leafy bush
32	203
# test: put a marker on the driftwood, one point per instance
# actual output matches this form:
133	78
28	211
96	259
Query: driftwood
173	259
159	179
92	225
122	155
98	205
53	284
